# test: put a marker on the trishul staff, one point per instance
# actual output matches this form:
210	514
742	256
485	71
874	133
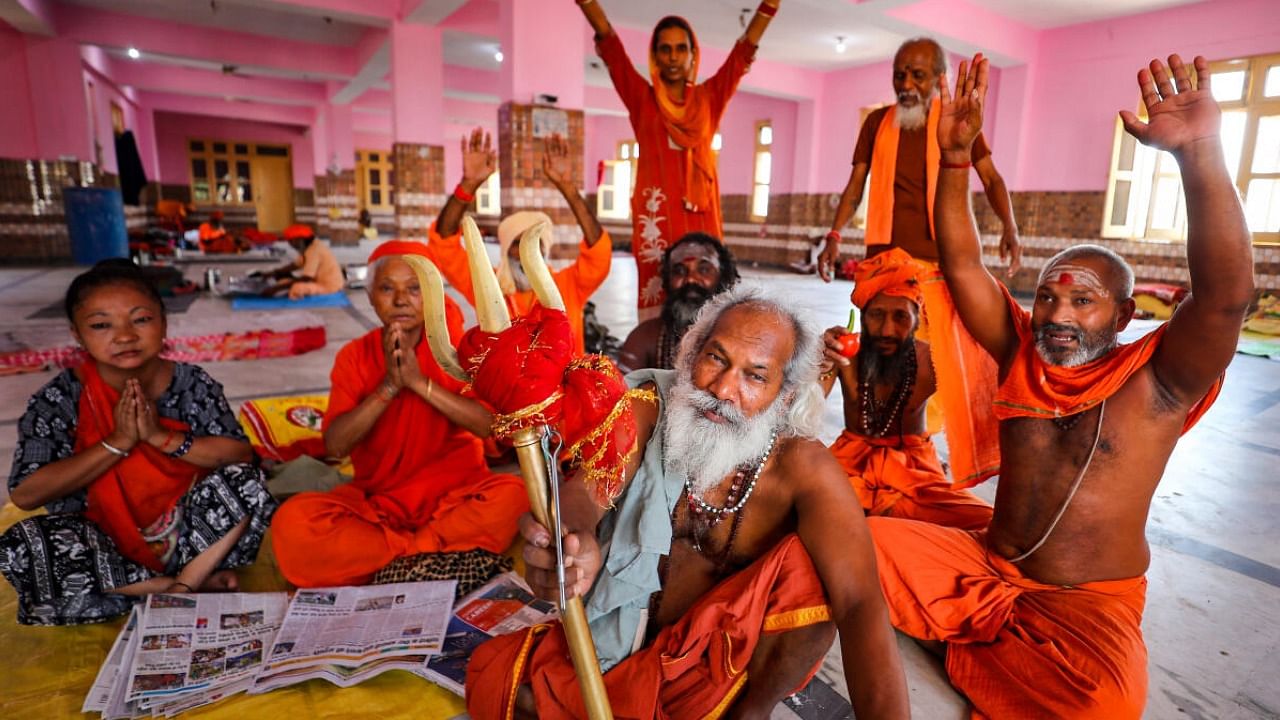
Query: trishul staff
527	437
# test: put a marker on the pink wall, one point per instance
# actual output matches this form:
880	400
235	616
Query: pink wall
57	98
603	133
17	126
174	129
1087	73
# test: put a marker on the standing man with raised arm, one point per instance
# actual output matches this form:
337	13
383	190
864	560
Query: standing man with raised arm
677	189
1040	615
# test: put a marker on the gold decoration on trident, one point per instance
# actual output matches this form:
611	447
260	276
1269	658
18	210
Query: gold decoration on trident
491	312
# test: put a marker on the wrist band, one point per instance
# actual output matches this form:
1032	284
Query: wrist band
431	385
185	447
954	166
188	587
113	449
463	195
386	392
833	235
767	10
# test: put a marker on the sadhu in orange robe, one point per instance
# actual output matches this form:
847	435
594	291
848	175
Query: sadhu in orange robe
1018	648
577	282
421	483
900	475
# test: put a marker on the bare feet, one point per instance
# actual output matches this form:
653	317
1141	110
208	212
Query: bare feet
221	581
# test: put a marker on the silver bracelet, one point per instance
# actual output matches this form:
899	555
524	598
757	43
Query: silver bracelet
114	450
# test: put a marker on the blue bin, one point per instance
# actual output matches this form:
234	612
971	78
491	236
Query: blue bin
95	221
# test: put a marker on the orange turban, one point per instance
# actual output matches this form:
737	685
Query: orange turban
298	232
584	398
892	272
398	247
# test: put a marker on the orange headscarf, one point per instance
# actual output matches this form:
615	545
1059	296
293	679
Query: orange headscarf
688	122
893	272
298	231
136	490
1034	388
399	247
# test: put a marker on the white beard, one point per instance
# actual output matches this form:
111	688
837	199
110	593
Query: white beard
517	275
912	117
708	452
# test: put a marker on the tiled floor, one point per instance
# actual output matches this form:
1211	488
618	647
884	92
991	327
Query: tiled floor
1213	605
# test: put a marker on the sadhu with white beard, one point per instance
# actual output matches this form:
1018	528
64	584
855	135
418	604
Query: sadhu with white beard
734	552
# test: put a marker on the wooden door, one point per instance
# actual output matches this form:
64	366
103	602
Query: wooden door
273	192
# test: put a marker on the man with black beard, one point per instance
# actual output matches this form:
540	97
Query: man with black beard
715	583
885	449
694	269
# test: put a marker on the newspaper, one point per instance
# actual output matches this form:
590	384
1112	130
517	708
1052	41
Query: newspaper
503	605
346	635
99	696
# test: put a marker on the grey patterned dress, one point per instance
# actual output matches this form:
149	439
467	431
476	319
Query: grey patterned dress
63	566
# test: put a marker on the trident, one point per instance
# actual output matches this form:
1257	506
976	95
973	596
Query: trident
491	311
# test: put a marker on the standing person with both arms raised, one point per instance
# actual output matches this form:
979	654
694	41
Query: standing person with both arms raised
1041	614
677	189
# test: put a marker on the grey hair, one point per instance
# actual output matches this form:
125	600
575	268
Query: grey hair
800	389
940	64
1118	264
372	272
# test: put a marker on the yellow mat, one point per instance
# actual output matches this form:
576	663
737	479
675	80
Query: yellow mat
45	672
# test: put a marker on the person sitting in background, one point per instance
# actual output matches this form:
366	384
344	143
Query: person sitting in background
694	270
367	229
885	450
145	473
577	282
421	484
214	238
317	270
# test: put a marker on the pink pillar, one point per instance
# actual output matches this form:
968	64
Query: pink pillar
544	52
17	126
336	204
59	108
341	138
417	126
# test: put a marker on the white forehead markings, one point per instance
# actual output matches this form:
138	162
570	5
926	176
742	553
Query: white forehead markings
1067	273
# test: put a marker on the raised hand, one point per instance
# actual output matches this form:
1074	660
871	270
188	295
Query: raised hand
960	117
1177	115
479	160
556	164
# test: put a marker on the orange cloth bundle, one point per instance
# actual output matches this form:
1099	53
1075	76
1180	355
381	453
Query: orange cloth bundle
584	398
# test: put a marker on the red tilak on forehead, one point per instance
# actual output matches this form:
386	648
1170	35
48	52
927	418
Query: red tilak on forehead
1066	278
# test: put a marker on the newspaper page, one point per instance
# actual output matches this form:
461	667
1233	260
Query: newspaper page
349	627
503	605
100	694
192	642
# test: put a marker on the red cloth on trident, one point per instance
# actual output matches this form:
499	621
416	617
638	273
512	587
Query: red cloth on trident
584	398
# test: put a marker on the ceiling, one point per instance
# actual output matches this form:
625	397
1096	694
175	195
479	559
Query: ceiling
1044	14
272	20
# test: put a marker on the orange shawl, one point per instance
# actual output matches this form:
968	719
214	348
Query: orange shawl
139	488
884	165
1034	388
688	122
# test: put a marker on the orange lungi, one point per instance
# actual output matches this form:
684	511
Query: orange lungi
1016	648
694	668
901	477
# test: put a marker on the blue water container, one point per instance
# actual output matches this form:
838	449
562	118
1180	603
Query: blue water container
95	221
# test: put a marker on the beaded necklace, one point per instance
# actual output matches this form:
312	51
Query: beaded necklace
733	503
883	414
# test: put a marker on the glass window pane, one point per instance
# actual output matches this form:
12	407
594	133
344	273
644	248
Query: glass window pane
200	169
373	157
764	166
1266	153
1164	203
625	152
717	142
1233	139
1120	202
635	150
760	201
200	191
242	149
375	176
375	197
1228	86
222	175
1272	86
273	150
608	174
197	146
1128	148
1262	205
244	191
766	135
606	200
219	147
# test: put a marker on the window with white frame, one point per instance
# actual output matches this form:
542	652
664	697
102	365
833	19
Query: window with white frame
488	197
1144	195
762	171
613	194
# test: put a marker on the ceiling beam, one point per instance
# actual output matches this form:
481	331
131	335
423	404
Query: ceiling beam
218	107
376	13
430	12
206	83
34	17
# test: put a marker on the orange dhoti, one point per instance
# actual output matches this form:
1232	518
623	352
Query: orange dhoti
1016	648
694	668
901	477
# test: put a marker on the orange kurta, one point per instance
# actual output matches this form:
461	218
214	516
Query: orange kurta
902	477
577	282
1016	648
694	668
421	483
216	240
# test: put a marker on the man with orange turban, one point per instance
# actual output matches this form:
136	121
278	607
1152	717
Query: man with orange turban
421	484
888	455
214	237
1040	614
676	190
577	282
317	270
